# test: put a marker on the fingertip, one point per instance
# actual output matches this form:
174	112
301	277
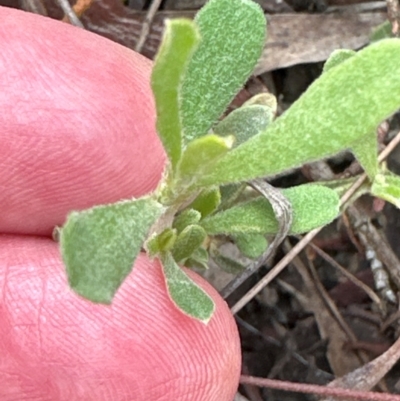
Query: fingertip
77	125
140	348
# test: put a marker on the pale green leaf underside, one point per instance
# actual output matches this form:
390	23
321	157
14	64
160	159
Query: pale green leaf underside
313	206
179	41
387	186
185	293
245	122
232	39
340	108
201	155
100	245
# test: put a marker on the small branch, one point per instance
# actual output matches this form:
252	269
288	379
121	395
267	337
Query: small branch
393	13
341	393
70	13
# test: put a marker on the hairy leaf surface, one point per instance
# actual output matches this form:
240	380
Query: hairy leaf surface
232	39
179	41
100	245
185	293
313	206
339	109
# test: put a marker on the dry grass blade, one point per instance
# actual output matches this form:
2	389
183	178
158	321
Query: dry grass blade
307	238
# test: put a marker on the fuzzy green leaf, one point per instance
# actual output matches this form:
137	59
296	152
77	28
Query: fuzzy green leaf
232	38
198	260
313	206
207	202
337	57
185	293
338	109
245	122
251	245
201	155
163	242
382	31
387	186
366	149
227	264
179	41
188	241
230	194
100	245
185	218
366	152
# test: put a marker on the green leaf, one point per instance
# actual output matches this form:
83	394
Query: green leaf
179	41
366	149
201	155
190	239
228	265
245	122
185	218
230	194
100	245
366	152
162	242
387	186
313	206
198	260
382	31
185	293
232	39
207	202
338	109
251	245
337	57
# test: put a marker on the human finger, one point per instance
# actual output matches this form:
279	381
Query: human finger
77	122
57	346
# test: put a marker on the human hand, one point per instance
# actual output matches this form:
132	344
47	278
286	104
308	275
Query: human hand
77	129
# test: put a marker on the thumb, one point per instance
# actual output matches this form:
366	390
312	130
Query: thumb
56	346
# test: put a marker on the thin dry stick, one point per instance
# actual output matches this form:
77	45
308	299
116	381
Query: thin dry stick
81	6
345	394
70	13
348	275
308	237
34	6
146	24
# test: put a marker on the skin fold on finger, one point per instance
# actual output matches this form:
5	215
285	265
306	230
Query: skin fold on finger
77	123
56	346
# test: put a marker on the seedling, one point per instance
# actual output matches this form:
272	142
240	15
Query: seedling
204	197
